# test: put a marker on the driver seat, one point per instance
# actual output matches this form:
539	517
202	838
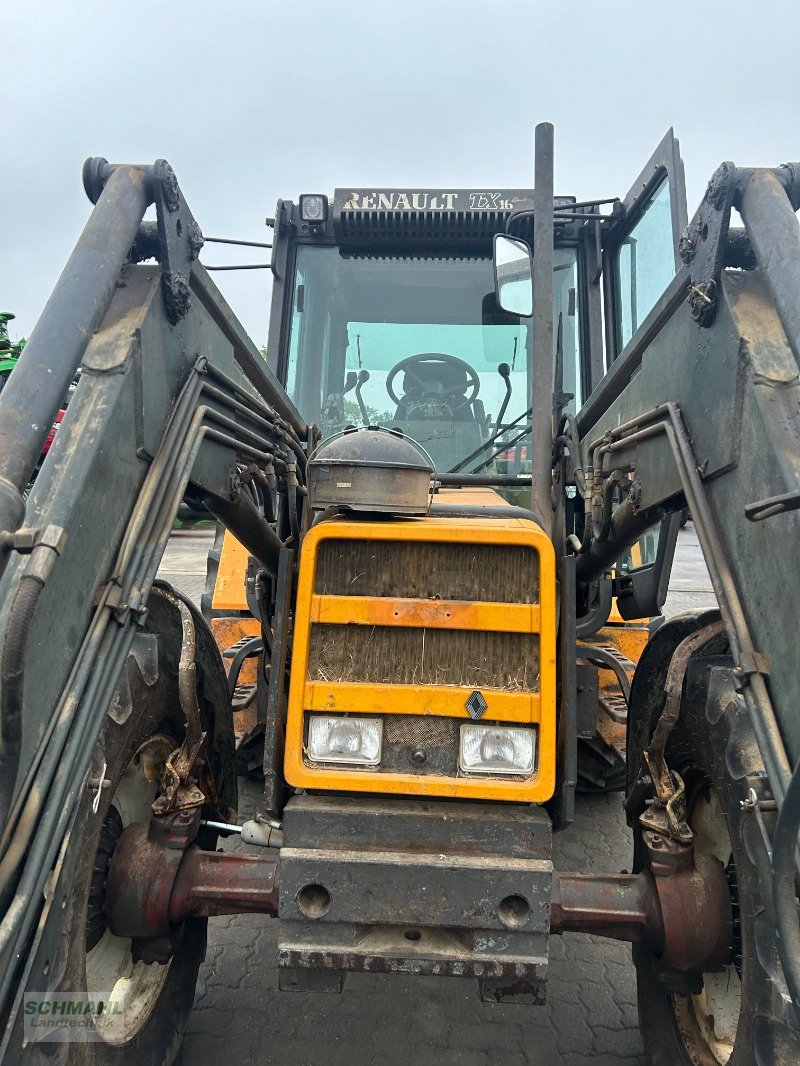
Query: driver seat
442	374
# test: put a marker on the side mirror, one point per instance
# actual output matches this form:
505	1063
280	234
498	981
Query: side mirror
513	275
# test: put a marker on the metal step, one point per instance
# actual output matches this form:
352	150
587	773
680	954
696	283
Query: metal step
615	707
240	645
627	664
243	696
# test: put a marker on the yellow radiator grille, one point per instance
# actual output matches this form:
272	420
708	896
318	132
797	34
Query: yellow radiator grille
405	620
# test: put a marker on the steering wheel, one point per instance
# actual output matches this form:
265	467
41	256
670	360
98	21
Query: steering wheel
433	359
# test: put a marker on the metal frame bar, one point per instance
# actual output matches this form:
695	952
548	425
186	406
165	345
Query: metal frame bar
35	391
667	419
542	365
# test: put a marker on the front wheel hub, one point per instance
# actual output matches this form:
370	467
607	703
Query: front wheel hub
679	907
158	878
695	903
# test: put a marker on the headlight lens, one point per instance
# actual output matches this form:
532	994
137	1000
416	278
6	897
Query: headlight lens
356	741
313	207
495	749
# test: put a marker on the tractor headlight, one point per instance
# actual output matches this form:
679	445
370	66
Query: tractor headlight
313	208
496	749
356	741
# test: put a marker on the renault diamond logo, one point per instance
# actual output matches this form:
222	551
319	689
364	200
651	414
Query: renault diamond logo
476	704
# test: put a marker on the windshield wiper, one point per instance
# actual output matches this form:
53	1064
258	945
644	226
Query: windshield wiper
506	444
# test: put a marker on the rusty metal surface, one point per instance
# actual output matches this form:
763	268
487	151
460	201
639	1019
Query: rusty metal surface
621	906
212	883
142	873
416	887
694	898
679	907
158	877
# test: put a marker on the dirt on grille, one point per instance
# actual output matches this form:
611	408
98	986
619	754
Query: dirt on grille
395	655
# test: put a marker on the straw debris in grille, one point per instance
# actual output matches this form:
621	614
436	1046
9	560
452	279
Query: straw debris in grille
401	655
428	570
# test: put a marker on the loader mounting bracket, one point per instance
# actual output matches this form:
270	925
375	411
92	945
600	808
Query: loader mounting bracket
702	245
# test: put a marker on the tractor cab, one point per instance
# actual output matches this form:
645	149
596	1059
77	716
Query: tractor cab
385	314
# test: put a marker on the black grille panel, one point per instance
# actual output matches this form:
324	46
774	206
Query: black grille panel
417	730
437	228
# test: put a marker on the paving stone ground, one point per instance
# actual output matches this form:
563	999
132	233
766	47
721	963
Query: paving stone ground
590	1017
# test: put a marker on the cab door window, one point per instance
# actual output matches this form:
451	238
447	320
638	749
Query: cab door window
645	264
640	254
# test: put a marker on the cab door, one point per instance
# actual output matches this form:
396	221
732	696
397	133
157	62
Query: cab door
640	256
640	259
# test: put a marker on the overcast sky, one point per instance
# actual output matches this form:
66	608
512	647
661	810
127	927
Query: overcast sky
250	101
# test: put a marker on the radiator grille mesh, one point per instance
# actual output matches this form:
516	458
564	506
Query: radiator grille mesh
400	655
419	731
428	570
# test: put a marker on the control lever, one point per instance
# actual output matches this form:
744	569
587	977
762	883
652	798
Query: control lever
504	370
363	378
333	408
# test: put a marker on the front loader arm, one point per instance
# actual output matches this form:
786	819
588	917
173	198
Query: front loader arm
708	412
172	396
703	409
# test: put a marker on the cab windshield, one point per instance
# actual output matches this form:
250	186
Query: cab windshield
420	343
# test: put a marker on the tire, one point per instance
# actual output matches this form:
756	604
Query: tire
152	1023
739	1016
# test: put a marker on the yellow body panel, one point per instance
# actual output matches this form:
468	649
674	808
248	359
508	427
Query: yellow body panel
229	588
505	706
444	700
629	638
429	614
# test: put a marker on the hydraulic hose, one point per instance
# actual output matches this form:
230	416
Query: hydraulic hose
291	491
12	668
12	678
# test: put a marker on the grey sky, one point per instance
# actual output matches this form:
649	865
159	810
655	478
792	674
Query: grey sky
254	100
